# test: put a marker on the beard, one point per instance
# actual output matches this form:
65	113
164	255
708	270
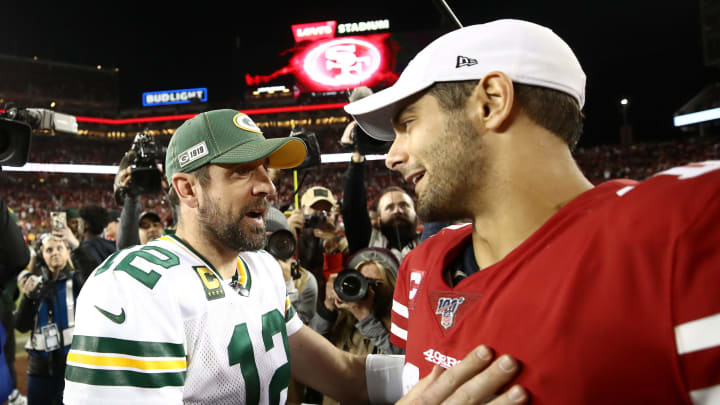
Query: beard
229	230
458	166
399	231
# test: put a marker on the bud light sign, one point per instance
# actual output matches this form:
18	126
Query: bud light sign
166	97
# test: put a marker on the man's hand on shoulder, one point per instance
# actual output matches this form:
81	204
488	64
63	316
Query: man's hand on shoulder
474	380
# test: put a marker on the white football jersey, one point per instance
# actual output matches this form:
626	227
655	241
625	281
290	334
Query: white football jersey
156	324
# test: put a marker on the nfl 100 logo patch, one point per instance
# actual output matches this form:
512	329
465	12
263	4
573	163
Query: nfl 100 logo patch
447	307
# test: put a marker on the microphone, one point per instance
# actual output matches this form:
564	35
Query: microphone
359	93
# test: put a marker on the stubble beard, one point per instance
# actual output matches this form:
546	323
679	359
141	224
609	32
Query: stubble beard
228	230
458	166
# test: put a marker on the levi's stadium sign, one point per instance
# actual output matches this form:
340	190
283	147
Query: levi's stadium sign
328	29
165	97
313	31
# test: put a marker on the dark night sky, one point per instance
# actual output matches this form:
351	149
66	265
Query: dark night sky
647	51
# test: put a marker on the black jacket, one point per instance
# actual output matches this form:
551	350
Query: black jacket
14	255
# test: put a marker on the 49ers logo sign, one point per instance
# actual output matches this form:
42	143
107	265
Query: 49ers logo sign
342	62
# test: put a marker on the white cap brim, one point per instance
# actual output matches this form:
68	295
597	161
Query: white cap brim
527	53
374	114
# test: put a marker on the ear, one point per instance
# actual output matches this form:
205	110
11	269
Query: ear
493	101
187	189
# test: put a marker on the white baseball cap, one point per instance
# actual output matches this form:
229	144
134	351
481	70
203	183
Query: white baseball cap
528	53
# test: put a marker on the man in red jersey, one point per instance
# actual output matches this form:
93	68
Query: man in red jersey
605	294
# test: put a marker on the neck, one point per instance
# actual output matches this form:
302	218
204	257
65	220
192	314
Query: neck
55	272
222	259
533	179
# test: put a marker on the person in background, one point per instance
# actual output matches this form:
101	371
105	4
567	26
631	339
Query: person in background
14	255
95	219
75	223
49	293
150	227
135	227
363	326
321	249
111	229
73	232
396	218
302	287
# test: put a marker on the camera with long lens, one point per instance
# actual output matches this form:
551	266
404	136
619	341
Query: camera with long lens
281	244
16	126
312	158
316	220
351	286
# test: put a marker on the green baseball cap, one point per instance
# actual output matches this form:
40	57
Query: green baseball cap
227	136
72	213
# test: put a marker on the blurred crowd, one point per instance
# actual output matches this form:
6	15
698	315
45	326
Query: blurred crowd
34	195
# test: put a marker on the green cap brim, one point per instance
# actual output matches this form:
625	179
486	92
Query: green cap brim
284	153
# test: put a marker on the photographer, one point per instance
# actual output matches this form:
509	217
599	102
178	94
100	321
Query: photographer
47	309
361	324
138	175
320	249
302	287
395	208
111	229
135	228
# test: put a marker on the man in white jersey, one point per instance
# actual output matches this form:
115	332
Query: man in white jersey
202	316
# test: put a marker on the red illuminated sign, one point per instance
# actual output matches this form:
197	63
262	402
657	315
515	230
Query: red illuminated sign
314	31
343	63
338	64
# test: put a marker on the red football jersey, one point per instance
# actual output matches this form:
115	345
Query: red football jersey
613	300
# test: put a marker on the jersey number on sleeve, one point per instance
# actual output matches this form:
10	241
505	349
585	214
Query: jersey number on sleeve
240	351
147	278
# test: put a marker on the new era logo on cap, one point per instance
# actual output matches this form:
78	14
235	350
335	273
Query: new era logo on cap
465	61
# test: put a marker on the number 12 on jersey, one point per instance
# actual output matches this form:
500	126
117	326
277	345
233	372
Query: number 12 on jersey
240	351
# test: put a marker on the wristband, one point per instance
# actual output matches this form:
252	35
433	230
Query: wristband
383	374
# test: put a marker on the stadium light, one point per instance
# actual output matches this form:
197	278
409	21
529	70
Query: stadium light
624	101
111	169
696	117
63	168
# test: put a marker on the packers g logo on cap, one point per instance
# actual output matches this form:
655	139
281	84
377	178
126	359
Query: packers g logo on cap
242	121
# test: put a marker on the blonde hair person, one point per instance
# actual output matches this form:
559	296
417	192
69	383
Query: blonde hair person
47	310
344	334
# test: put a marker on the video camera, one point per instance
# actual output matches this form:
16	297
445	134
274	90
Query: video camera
352	286
16	126
143	159
312	158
